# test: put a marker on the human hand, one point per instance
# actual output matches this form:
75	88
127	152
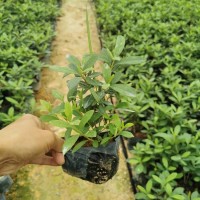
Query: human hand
26	141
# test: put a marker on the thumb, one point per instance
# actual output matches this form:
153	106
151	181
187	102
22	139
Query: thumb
58	143
58	157
56	148
54	142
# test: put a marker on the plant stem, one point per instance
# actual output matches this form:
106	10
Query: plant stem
88	32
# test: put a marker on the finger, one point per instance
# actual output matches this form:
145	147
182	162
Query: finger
32	119
58	157
35	120
44	160
54	142
28	120
58	144
45	126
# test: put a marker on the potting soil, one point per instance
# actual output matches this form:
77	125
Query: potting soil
96	165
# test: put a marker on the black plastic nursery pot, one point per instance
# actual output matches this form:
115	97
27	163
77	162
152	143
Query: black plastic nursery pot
97	165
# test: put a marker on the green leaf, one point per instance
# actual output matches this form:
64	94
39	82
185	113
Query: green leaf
142	189
93	82
133	161
75	122
57	95
186	154
165	136
59	123
95	74
105	140
73	60
106	73
177	130
65	70
91	134
117	77
13	101
68	133
126	134
45	106
124	90
105	86
112	129
94	94
176	158
87	116
140	196
178	197
171	177
116	121
79	145
11	112
59	109
68	111
195	196
72	85
139	168
88	101
128	61
91	60
128	125
105	56
157	179
151	196
149	186
95	144
168	189
165	162
69	143
47	118
77	71
119	46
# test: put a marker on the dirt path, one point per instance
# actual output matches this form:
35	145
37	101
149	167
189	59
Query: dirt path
49	183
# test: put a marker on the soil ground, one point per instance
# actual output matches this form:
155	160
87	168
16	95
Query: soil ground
51	183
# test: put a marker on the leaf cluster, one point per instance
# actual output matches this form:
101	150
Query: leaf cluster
167	107
95	98
26	30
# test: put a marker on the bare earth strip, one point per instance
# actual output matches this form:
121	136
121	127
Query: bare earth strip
50	183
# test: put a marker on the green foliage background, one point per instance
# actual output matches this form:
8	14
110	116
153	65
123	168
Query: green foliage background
26	30
167	103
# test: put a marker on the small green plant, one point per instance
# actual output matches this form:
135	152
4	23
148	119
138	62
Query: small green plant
95	99
163	187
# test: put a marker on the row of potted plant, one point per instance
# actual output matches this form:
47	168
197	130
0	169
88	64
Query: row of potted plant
26	30
167	86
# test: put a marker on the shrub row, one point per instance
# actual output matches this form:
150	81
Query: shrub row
26	30
167	87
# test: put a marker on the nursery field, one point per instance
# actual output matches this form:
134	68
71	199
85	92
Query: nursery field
120	78
167	90
26	31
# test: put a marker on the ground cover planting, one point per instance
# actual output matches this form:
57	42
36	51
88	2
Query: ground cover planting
26	30
167	90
